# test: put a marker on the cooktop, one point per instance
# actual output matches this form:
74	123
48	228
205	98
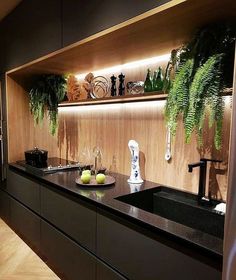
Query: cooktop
53	164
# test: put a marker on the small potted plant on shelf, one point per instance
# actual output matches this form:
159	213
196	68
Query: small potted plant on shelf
45	95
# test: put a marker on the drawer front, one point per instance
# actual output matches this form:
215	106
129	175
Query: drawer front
25	190
4	206
76	220
104	272
25	222
69	259
139	257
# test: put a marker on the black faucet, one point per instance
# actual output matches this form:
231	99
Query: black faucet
202	199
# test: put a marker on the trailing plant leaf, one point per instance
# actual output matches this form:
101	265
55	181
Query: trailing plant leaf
212	52
37	100
219	125
177	101
47	92
203	88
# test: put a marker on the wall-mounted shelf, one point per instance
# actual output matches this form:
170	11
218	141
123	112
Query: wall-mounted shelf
154	96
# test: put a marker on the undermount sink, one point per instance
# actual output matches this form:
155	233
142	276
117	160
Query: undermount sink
180	207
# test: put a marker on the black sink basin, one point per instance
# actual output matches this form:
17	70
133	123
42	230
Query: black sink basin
180	207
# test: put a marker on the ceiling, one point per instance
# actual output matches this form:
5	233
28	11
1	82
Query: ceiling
6	6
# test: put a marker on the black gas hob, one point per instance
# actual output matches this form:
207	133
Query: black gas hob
53	164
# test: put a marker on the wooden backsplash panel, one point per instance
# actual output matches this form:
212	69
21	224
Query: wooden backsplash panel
22	133
112	126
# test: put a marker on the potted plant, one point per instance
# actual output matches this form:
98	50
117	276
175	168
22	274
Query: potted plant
204	68
46	93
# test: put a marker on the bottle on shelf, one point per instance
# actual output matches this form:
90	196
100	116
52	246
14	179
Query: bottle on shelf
148	86
154	81
158	80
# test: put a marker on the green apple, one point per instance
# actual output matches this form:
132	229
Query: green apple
85	178
86	172
100	178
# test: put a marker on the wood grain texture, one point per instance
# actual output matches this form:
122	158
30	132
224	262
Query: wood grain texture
22	133
111	126
159	30
18	261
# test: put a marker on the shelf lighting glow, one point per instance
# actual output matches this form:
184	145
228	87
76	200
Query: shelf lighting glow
89	108
113	107
228	100
130	65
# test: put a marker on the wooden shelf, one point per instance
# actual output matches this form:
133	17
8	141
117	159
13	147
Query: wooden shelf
153	33
154	96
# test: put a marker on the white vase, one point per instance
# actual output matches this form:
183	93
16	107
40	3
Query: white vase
135	177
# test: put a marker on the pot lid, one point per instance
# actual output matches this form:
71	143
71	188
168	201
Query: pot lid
36	151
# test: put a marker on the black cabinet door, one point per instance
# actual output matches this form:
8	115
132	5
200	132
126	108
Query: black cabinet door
139	257
25	190
32	30
74	217
104	272
25	222
69	260
84	18
4	206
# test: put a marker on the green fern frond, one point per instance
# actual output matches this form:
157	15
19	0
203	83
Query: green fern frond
201	89
177	101
47	92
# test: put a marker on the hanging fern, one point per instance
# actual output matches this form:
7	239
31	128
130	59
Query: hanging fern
37	101
196	89
204	86
47	92
178	97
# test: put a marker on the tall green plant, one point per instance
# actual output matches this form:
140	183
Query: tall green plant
47	92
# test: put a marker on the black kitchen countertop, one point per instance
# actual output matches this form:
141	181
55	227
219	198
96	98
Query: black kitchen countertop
104	198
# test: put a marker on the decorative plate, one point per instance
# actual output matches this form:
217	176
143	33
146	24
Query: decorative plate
93	183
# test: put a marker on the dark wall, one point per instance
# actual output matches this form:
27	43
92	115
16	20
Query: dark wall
38	27
32	30
83	18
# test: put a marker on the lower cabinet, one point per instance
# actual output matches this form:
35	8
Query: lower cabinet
120	251
139	257
4	206
104	272
25	222
71	261
24	189
74	217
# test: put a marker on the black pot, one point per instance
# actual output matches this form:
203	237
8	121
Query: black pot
37	158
